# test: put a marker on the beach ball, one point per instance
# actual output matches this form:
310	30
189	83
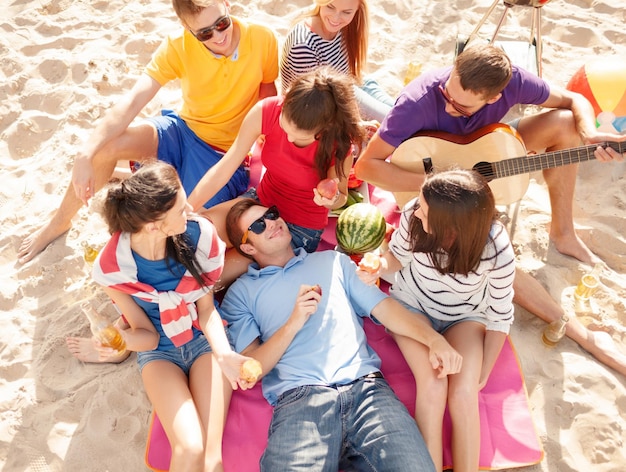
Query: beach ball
603	83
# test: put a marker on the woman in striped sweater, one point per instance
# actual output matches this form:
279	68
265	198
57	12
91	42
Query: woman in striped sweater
335	33
454	265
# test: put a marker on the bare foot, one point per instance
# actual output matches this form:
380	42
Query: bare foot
84	350
573	246
603	347
39	240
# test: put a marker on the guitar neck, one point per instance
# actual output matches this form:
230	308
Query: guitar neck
549	160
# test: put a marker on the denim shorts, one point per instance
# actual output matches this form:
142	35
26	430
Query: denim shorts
307	238
183	356
441	326
192	157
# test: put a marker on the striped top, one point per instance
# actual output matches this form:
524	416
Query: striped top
305	50
485	292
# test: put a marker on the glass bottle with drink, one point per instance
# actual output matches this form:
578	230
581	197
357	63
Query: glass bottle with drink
102	329
588	284
89	252
555	331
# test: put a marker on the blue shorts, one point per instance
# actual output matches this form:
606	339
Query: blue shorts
192	157
441	326
307	238
183	356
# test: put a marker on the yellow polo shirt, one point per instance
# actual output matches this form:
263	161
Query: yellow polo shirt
217	91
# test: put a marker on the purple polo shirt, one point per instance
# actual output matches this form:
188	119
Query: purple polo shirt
421	106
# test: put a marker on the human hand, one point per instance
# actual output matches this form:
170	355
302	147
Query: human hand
306	304
444	358
370	128
231	364
368	269
608	153
327	192
83	179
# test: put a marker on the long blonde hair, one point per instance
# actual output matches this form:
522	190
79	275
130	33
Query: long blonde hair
354	35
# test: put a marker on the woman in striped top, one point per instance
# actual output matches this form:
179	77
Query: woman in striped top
334	33
453	264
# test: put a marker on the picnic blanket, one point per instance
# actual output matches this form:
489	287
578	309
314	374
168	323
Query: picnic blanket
508	436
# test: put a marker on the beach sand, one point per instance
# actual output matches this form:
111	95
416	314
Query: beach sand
64	63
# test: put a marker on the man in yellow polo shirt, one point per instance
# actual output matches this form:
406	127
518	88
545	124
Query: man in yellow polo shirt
224	65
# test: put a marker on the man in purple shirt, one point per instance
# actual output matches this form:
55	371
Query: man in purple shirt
477	91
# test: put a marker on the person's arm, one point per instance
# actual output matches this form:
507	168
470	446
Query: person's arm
492	345
584	119
267	90
271	350
218	175
113	124
211	323
373	167
141	335
443	357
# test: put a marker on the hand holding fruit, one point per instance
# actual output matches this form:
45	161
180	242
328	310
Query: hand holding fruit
327	192
306	304
369	268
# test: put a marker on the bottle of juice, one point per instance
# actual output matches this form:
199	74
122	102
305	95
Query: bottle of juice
588	284
553	333
89	252
102	329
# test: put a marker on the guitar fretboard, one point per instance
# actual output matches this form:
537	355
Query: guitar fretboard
530	163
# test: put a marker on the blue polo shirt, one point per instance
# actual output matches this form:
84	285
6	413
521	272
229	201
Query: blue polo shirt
331	348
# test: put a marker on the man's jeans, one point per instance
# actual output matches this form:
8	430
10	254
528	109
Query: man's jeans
361	426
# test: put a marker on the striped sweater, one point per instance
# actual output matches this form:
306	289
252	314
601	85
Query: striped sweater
485	292
304	51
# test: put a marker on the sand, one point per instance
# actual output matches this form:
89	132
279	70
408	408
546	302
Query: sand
64	63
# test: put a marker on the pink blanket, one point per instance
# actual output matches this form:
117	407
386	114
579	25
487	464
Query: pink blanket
508	436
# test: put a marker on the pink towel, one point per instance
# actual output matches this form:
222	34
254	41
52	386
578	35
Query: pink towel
508	437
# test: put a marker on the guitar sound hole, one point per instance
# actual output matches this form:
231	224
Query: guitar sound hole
485	169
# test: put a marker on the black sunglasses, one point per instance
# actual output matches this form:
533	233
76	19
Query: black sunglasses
258	225
222	24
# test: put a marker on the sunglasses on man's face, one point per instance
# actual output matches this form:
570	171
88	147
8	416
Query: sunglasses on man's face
222	24
259	225
460	108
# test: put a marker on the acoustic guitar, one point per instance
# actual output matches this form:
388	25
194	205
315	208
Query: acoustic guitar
488	151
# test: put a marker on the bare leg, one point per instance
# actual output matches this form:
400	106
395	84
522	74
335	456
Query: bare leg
212	400
468	339
138	142
177	411
430	399
530	295
551	131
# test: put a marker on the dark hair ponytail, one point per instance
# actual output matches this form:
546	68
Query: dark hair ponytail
323	101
